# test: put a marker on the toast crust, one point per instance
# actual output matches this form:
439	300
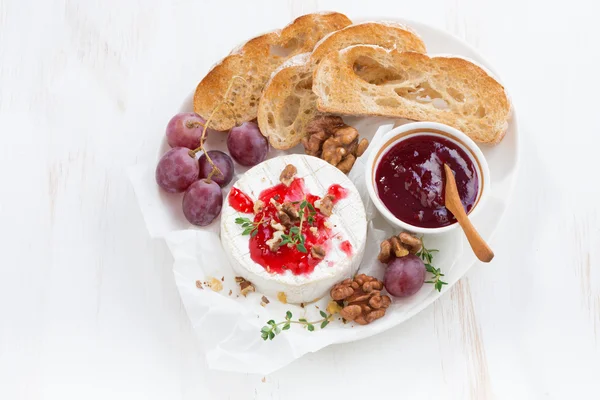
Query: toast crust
450	90
385	34
254	62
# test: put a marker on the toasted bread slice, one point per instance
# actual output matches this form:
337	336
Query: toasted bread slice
288	104
411	85
385	34
254	62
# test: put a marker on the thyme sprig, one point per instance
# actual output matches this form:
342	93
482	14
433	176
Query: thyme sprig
427	257
273	328
296	237
250	227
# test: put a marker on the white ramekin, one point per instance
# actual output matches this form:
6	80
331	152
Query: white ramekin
396	135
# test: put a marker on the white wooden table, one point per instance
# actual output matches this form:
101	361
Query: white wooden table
88	306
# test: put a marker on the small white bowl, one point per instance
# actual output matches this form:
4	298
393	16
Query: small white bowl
396	135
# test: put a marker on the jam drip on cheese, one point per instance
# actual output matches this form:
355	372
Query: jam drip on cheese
312	225
240	201
337	192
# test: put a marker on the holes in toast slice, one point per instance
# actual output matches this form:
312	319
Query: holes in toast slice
374	73
304	84
440	104
456	95
422	93
271	120
480	113
289	111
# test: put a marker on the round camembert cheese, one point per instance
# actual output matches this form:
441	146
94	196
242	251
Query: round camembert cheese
347	224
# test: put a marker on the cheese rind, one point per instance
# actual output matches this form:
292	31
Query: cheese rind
348	222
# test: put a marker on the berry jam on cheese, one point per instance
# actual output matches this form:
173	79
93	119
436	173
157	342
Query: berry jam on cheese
337	192
240	201
296	257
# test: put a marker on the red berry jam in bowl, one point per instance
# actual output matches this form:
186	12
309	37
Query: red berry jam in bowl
407	180
410	180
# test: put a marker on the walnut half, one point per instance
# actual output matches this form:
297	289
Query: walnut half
361	298
398	246
329	138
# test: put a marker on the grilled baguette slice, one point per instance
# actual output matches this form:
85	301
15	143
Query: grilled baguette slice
254	62
288	104
410	85
389	35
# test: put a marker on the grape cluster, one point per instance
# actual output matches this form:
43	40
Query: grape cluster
202	179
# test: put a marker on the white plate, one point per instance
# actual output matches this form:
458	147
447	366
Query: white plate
228	327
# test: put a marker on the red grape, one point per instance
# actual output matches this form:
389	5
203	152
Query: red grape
247	145
222	161
185	130
177	170
404	276
202	202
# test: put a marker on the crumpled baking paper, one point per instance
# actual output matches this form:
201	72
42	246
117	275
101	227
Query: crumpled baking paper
228	324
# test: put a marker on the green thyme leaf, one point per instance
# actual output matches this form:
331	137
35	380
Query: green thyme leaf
301	248
254	233
311	208
272	328
426	255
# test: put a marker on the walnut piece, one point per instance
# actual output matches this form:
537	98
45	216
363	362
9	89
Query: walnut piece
287	175
398	246
245	286
412	243
329	138
275	241
258	206
277	226
317	252
333	307
284	219
290	210
215	284
325	205
281	296
264	301
361	298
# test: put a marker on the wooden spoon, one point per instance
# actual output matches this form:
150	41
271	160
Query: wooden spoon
453	203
